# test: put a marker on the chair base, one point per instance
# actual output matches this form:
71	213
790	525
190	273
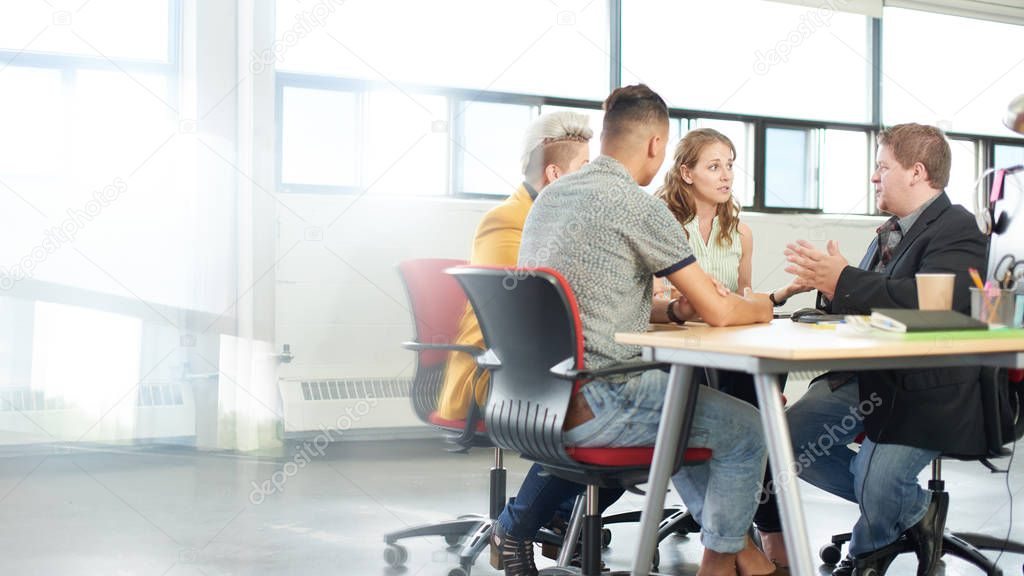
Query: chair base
966	546
472	531
963	545
675	520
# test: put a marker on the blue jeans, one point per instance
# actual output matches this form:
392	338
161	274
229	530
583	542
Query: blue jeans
540	497
722	493
880	478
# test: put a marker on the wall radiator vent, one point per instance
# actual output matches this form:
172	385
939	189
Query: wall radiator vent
27	399
162	394
355	388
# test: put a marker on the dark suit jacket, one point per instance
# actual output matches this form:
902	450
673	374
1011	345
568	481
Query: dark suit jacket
937	409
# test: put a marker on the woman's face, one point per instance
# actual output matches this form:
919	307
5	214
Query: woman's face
712	175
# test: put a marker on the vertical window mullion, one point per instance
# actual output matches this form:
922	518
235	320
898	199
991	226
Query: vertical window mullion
814	150
457	163
876	71
760	169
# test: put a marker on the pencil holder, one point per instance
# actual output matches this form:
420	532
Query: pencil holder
1007	309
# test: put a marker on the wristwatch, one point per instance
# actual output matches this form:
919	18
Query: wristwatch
771	296
671	313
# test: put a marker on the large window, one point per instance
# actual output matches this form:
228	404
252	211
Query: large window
320	138
89	111
800	90
962	85
789	180
733	55
490	147
817	169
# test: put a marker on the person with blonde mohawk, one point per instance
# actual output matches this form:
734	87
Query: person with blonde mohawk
554	145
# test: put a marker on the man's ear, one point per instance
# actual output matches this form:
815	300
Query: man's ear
919	174
551	173
652	146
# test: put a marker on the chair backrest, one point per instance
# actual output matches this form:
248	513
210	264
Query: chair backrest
437	303
530	323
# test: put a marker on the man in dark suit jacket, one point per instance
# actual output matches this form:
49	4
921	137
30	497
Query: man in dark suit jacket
909	416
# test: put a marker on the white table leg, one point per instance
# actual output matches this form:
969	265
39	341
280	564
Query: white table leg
780	454
679	380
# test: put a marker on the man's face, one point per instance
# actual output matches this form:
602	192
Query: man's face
892	183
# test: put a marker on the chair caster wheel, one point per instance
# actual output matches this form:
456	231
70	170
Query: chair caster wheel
452	540
869	572
458	572
395	555
606	537
830	554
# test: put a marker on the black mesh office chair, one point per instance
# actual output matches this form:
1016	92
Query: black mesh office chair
532	328
1004	423
437	303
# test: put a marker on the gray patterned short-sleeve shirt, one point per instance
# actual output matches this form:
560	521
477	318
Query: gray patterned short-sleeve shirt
608	237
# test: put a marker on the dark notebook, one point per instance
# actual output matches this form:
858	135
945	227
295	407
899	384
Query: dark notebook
907	320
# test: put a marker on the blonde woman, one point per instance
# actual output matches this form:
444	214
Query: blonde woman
698	191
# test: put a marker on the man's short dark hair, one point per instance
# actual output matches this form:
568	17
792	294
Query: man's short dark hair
630	106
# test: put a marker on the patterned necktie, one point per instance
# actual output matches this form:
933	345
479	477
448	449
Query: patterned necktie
889	236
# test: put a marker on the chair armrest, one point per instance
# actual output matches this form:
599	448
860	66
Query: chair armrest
488	360
420	346
565	370
464	440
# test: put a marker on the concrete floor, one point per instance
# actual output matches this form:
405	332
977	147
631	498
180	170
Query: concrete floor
176	512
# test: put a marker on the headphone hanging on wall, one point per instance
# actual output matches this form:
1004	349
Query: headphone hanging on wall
985	204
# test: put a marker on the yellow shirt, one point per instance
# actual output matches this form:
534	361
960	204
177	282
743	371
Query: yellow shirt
496	244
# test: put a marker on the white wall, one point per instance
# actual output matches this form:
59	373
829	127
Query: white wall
340	304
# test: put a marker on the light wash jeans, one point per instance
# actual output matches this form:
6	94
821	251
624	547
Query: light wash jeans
722	493
881	478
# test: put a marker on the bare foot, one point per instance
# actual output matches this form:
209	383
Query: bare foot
717	564
752	562
775	548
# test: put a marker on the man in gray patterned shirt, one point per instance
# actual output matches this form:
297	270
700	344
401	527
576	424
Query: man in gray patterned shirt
609	239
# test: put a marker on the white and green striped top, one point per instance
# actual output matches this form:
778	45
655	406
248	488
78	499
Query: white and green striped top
721	262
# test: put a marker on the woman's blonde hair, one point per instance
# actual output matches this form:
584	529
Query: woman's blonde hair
679	195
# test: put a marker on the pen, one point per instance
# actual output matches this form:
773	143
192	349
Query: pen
976	277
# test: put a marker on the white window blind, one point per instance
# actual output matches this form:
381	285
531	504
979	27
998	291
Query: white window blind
872	8
1008	11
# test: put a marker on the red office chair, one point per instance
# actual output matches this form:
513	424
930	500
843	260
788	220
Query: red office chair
437	303
1003	406
531	325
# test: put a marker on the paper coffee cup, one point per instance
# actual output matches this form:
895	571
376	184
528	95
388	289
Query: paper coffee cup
935	291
